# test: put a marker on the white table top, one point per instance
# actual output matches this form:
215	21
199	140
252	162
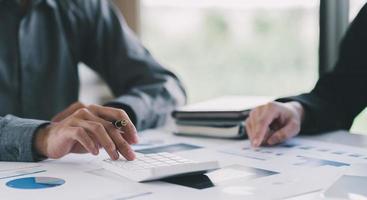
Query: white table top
162	190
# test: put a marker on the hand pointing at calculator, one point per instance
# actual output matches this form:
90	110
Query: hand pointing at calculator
82	129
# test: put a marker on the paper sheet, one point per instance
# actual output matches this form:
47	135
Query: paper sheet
295	167
284	185
11	166
298	153
351	185
79	183
299	163
13	169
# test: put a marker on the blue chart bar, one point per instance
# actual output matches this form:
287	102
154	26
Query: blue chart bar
35	183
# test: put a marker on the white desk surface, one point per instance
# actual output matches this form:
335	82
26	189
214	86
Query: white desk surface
161	190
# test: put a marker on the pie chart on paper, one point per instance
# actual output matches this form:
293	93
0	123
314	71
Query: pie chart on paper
30	183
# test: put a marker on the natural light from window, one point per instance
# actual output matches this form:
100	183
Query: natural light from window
245	47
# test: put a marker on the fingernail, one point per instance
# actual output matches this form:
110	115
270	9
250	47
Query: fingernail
136	139
116	155
255	143
131	154
95	151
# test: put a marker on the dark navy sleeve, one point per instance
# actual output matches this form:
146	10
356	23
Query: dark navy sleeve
339	96
143	88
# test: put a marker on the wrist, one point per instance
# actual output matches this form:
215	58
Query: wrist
298	108
40	141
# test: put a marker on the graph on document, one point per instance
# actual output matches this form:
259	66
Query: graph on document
302	152
262	153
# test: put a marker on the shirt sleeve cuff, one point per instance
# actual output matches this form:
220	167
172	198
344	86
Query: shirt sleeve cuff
17	139
308	103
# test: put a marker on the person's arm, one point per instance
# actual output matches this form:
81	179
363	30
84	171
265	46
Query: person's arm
341	94
17	139
334	102
144	89
78	129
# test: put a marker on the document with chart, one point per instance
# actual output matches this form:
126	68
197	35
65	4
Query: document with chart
59	180
299	153
297	167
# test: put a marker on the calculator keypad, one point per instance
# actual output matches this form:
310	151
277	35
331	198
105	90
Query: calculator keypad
149	161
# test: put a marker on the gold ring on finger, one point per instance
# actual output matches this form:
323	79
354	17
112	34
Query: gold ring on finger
120	123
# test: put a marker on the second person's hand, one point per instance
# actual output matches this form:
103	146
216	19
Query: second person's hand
274	123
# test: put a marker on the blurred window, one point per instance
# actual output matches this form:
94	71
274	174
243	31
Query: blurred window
354	7
222	47
247	47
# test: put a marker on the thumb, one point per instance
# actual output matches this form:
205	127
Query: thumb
290	130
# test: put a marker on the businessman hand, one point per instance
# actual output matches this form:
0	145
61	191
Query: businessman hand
81	129
68	111
274	123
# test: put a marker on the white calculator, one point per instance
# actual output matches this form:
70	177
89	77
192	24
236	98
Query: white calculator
148	167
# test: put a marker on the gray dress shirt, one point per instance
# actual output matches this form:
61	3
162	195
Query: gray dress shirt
39	54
